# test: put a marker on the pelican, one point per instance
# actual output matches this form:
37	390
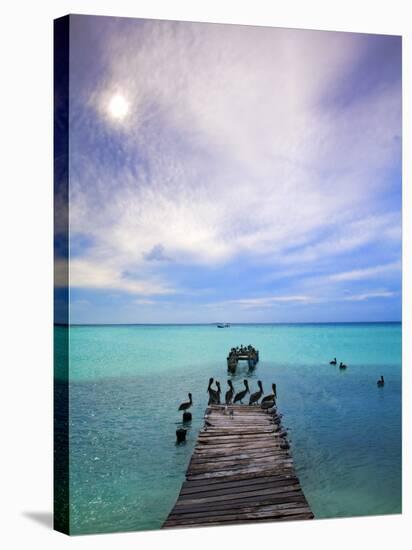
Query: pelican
381	382
230	393
254	398
342	365
187	404
213	394
269	404
241	395
272	396
219	391
334	362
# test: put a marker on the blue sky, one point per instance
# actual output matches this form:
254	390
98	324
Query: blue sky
251	174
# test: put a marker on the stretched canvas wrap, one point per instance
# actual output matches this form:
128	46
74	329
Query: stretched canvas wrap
227	274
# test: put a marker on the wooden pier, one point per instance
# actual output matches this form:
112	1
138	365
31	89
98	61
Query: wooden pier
241	471
249	354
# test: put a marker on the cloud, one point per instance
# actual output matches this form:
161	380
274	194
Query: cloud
262	302
348	237
157	254
234	150
270	300
369	295
366	273
315	298
101	276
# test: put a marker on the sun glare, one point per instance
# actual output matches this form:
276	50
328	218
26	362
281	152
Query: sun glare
118	107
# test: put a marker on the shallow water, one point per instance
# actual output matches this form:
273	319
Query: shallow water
126	383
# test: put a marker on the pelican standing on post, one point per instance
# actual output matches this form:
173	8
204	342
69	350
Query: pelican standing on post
254	398
242	394
187	404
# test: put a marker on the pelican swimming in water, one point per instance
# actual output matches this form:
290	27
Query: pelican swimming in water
241	395
381	382
254	398
187	404
271	397
230	393
334	362
342	365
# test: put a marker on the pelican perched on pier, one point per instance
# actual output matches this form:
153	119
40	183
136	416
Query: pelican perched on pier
219	391
271	397
187	404
230	393
254	398
242	394
381	382
214	396
268	405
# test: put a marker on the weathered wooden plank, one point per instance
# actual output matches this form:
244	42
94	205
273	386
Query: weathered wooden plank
213	459
240	495
287	502
248	490
253	513
254	430
189	486
238	474
297	517
263	463
284	498
225	450
219	444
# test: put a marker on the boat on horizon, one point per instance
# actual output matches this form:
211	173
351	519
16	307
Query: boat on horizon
223	325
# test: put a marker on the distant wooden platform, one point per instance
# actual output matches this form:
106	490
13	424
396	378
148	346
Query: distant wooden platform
249	354
241	471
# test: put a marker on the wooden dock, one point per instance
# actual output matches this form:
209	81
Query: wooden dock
241	471
249	354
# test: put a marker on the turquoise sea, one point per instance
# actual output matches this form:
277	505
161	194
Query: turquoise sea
126	383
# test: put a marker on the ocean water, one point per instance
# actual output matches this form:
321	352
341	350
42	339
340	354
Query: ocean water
126	383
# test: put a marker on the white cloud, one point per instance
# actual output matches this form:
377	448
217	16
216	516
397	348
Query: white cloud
369	295
268	301
229	151
100	275
366	273
262	302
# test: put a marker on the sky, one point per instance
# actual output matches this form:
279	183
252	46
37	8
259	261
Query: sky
233	173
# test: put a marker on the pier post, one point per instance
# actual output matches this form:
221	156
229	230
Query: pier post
187	417
181	435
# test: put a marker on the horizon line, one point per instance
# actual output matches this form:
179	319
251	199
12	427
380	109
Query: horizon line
235	324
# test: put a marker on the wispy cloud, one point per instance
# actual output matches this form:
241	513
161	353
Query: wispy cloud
366	273
267	301
369	295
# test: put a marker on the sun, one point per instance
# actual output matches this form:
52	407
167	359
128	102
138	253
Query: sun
118	107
